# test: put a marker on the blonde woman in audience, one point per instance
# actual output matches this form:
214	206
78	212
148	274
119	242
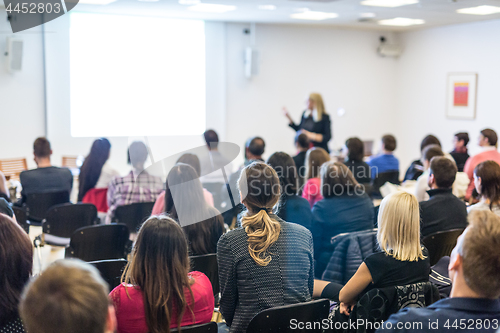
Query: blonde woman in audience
402	260
158	292
267	262
315	157
487	184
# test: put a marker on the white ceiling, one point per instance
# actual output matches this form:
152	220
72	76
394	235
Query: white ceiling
434	12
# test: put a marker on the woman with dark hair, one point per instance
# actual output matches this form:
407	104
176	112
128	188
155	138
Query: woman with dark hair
315	157
292	208
194	161
355	152
184	202
267	262
95	172
16	263
158	292
487	183
345	208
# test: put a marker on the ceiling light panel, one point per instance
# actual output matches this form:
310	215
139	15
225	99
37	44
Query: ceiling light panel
314	16
388	3
480	10
401	22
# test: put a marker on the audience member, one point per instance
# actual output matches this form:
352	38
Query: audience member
488	142
401	261
443	211
4	188
45	178
137	186
213	160
417	168
422	185
16	262
158	292
95	171
302	144
6	209
312	189
292	207
385	161
70	296
345	208
474	300
184	202
459	153
192	160
487	183
355	152
267	262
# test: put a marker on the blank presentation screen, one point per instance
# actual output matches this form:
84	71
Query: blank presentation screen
136	76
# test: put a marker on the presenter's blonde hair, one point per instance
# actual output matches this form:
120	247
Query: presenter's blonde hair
318	104
398	232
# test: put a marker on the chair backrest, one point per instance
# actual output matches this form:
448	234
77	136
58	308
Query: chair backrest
441	243
11	168
382	178
210	327
62	220
279	319
207	264
99	242
133	215
111	270
21	218
38	204
349	251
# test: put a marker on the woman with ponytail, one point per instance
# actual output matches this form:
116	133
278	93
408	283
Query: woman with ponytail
267	262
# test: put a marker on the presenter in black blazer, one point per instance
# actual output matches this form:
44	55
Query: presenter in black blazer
315	123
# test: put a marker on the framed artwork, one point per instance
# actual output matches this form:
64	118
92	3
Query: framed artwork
461	95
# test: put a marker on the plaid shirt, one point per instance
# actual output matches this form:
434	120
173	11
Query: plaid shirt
129	189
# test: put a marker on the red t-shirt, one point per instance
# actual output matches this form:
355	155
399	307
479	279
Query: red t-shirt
130	310
312	191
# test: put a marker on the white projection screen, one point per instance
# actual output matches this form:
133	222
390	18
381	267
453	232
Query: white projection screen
136	76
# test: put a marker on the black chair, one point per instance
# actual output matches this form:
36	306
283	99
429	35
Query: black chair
382	178
133	215
38	204
111	270
207	264
441	243
62	221
215	189
210	327
99	242
279	319
21	218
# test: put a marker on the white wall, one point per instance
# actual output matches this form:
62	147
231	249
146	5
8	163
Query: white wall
22	111
421	84
342	65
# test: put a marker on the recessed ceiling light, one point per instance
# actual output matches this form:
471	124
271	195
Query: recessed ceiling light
315	16
302	9
267	7
388	3
211	8
95	2
401	22
480	10
189	2
367	15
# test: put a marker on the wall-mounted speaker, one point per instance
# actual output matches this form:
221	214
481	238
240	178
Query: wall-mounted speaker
14	54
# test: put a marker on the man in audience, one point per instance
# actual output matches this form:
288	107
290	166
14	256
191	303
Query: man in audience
474	298
46	178
488	142
70	296
302	144
385	161
459	153
422	186
214	160
416	168
443	211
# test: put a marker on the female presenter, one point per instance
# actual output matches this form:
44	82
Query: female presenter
315	123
